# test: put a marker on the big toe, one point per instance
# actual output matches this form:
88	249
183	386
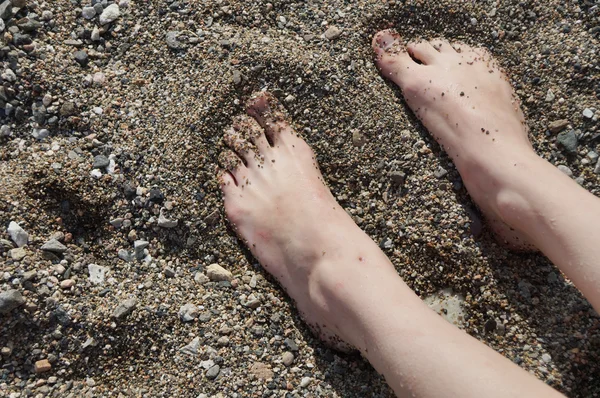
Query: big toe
392	59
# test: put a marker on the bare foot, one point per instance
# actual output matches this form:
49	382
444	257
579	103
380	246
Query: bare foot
465	100
279	205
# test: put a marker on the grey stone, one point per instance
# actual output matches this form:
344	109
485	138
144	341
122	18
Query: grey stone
333	32
588	113
125	255
565	170
9	300
100	162
597	168
124	308
28	24
172	42
440	172
550	96
192	347
287	358
97	273
81	58
5	9
88	12
165	222
213	372
398	177
188	312
138	247
17	234
54	246
18	254
110	14
291	345
568	140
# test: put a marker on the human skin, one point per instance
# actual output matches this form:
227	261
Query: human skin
344	286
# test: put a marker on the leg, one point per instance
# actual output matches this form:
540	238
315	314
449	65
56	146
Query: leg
466	102
343	284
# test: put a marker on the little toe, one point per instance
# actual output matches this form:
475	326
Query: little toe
392	59
231	162
270	115
249	128
423	51
226	182
244	149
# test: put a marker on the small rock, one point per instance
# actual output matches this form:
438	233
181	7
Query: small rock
597	168
97	273
96	35
291	345
333	33
305	382
88	12
99	79
165	222
81	57
287	358
68	109
42	366
172	40
213	372
156	196
358	139
558	125
568	140
17	234
398	177
6	9
138	248
54	246
223	341
100	162
18	254
124	308
67	284
588	113
192	347
169	272
28	24
237	77
216	273
546	358
565	170
9	300
188	312
261	371
550	96
440	172
110	14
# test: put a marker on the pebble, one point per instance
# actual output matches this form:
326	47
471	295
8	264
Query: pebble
333	32
588	113
110	14
139	247
67	284
124	308
99	79
261	371
42	366
9	300
97	273
546	358
172	40
558	125
81	57
165	222
287	358
17	234
213	372
192	347
398	177
568	140
550	96
188	312
216	273
88	12
54	246
100	162
565	170
440	172
18	254
597	168
305	382
291	345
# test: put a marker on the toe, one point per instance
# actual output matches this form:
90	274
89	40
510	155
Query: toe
270	115
443	46
244	149
424	52
231	162
226	182
392	58
249	128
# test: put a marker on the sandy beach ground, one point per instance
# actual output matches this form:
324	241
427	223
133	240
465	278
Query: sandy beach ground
119	275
